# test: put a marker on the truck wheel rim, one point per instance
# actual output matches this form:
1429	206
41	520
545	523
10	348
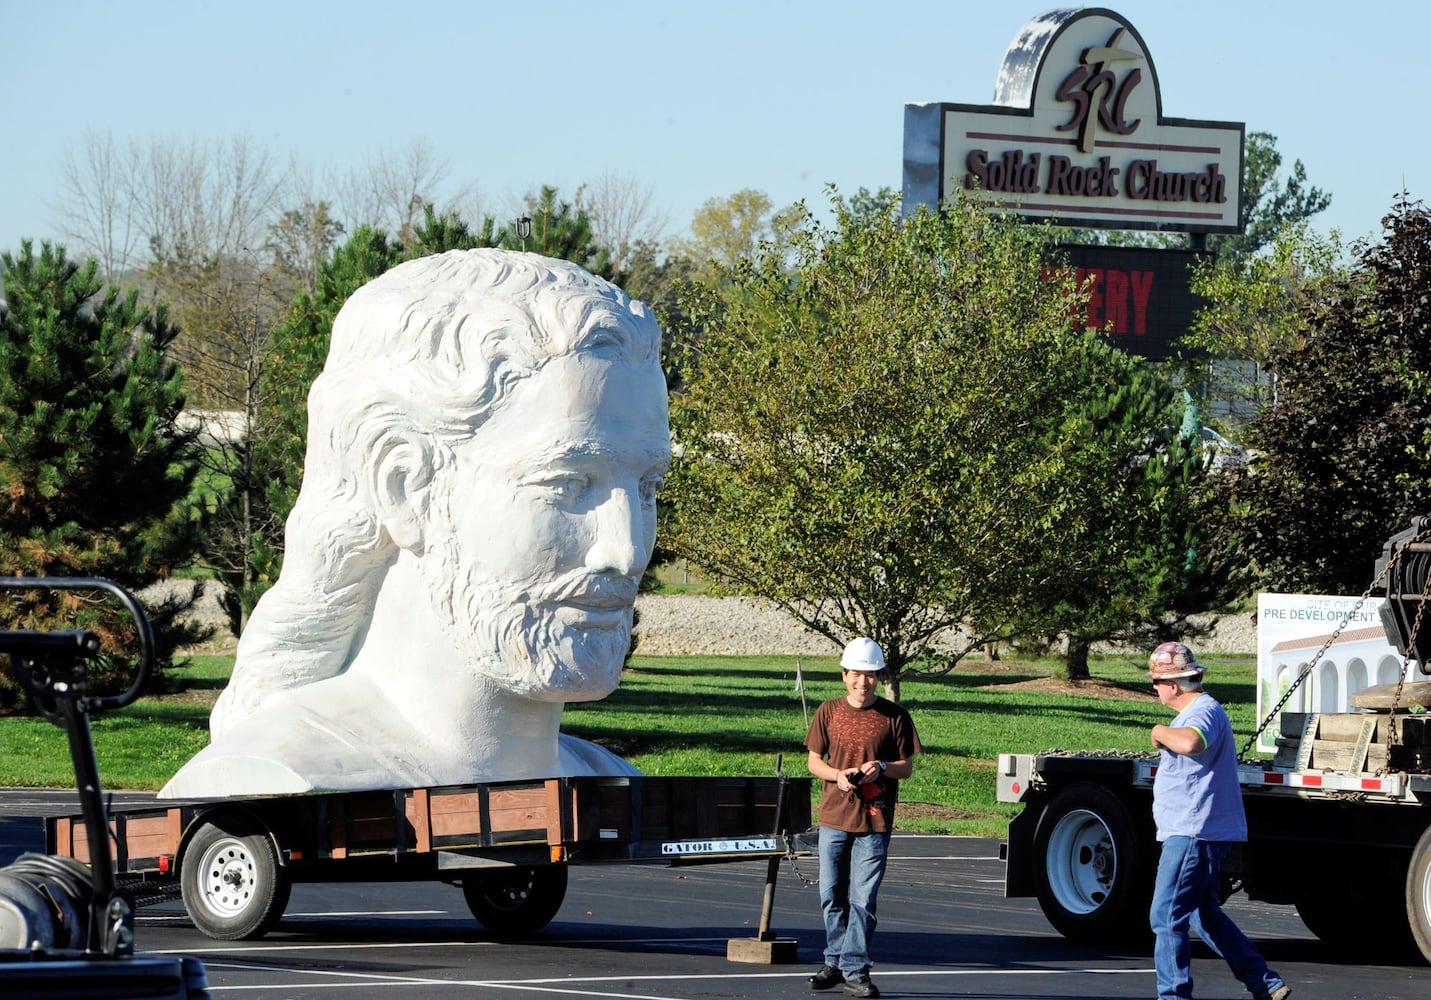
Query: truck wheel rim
1082	862
227	879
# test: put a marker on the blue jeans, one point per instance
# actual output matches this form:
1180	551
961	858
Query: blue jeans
1185	897
851	869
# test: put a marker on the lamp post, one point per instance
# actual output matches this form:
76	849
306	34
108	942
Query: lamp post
523	229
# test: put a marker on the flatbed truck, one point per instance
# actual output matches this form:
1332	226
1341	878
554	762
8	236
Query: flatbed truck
1339	822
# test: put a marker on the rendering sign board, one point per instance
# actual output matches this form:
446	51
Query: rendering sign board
1076	136
1293	628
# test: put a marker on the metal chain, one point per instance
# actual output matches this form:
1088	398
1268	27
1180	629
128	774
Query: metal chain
1306	669
1393	737
792	856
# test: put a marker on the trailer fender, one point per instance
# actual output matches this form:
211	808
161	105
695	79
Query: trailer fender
226	812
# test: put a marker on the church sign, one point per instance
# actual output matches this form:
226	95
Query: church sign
1076	136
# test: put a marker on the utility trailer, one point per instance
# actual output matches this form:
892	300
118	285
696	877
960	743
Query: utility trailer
1338	823
233	861
508	845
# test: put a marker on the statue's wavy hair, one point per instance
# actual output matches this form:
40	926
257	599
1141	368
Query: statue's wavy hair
419	357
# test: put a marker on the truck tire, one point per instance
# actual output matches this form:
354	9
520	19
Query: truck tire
234	889
1418	894
1094	878
515	902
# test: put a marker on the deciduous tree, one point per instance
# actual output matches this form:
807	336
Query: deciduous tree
1259	306
1342	455
894	438
1269	205
623	216
727	230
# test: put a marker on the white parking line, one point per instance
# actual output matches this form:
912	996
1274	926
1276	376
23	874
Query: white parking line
585	985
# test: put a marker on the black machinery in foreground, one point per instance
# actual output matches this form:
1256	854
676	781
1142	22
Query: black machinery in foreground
67	929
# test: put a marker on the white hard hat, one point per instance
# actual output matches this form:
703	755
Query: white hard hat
863	654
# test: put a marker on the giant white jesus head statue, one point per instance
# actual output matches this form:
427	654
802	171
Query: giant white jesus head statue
478	504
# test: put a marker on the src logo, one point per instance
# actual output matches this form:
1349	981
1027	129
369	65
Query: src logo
1093	84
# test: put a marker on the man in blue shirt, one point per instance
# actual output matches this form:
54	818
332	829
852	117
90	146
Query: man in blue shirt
1197	807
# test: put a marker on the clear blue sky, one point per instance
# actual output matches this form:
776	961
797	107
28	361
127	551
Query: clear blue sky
695	99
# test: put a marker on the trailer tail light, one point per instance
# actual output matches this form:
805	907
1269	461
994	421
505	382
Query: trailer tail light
558	854
166	864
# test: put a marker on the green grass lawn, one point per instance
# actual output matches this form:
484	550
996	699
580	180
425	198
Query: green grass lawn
734	715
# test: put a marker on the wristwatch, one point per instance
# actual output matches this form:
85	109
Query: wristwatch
882	766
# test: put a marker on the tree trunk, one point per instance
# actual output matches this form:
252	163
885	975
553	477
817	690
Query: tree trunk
1078	659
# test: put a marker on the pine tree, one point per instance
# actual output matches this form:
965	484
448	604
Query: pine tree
95	474
563	231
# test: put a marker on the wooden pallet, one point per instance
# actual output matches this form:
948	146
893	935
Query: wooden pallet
1354	742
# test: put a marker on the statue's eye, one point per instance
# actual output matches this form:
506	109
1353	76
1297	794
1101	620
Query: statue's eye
559	487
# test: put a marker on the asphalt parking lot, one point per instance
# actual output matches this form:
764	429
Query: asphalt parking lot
641	932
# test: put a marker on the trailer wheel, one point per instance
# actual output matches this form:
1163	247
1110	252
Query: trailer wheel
1418	894
233	886
515	902
1095	879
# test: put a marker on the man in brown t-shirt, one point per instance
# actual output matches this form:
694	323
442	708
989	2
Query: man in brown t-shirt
860	746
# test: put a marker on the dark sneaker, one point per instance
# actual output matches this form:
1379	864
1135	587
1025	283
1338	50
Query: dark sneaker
860	986
1280	993
827	977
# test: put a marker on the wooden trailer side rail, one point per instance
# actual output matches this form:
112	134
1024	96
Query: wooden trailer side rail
569	819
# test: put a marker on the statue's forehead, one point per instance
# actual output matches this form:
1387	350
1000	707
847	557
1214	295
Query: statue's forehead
545	302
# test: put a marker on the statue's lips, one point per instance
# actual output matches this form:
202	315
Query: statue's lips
604	605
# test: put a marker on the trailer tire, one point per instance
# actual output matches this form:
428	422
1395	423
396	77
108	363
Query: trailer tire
1094	879
1418	894
515	902
234	889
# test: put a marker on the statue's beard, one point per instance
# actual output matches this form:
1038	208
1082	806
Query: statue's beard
515	636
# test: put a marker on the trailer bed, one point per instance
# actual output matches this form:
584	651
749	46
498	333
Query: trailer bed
508	844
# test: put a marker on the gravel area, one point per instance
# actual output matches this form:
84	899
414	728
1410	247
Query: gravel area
670	625
739	626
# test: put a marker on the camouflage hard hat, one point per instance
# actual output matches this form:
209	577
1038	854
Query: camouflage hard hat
1172	660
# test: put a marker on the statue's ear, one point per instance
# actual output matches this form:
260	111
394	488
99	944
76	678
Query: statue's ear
400	475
